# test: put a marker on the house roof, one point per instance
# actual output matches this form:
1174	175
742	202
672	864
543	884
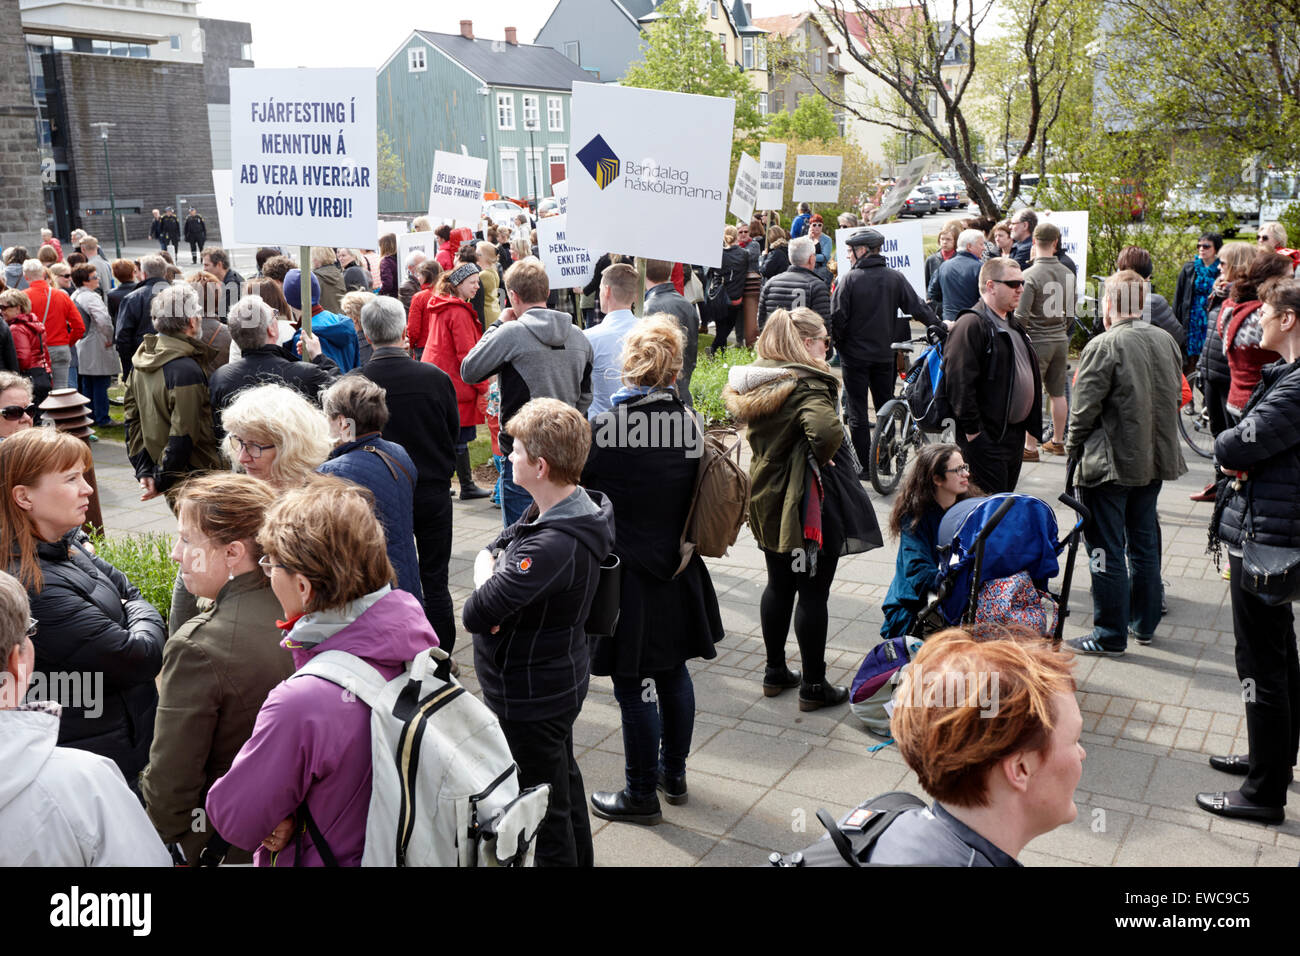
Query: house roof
783	25
744	22
502	64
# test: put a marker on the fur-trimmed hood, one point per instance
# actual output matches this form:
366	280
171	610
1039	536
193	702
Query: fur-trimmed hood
759	390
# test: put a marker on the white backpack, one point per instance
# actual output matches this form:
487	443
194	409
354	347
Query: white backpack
445	788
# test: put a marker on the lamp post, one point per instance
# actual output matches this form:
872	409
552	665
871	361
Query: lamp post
108	170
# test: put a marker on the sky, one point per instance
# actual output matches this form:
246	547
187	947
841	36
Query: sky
289	33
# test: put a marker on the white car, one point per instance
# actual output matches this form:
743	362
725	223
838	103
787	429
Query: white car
502	212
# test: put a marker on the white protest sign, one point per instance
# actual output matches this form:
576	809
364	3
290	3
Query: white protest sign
816	179
384	226
567	266
225	205
904	250
407	243
771	176
456	191
303	156
657	190
1074	242
906	182
745	190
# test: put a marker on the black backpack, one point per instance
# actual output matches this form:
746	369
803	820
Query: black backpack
849	841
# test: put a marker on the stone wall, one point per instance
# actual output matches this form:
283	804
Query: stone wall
22	199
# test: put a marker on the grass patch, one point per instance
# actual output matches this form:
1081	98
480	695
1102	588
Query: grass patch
146	561
709	379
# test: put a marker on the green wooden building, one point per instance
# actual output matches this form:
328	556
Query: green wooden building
495	99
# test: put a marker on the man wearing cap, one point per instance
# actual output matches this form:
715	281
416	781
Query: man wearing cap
1046	310
825	249
337	334
865	321
170	231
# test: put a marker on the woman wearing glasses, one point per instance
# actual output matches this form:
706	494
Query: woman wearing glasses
938	479
16	409
1195	283
219	667
96	635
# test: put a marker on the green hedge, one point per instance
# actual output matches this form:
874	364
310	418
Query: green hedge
146	561
709	379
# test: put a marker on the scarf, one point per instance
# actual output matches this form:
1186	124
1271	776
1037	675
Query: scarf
814	496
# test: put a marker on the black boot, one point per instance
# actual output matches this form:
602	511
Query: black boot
823	694
622	806
468	490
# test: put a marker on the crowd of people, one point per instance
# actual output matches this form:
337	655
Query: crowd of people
309	468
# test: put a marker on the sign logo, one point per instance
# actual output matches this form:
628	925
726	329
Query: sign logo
525	564
599	161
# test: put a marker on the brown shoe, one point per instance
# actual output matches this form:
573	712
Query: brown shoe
1053	447
1205	494
1029	455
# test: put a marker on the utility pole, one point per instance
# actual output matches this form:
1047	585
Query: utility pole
112	202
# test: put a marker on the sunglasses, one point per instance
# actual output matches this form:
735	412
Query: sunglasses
1011	283
13	413
1204	245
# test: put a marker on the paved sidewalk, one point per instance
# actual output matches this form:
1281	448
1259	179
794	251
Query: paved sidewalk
759	769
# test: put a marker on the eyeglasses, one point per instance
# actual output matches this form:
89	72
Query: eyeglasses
32	625
959	470
1263	239
13	413
255	451
265	563
1011	283
1205	245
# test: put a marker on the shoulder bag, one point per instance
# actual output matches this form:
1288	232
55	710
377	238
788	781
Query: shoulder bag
1270	573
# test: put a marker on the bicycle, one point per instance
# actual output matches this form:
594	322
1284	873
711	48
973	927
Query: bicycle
1194	418
897	430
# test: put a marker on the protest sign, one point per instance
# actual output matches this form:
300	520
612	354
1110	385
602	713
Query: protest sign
893	201
904	250
303	149
456	191
1074	243
225	205
409	242
567	266
657	190
745	190
385	226
816	179
771	176
560	193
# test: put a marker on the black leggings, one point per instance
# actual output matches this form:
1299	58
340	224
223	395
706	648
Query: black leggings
734	319
787	578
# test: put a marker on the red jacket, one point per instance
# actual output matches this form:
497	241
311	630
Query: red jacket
447	251
454	329
29	343
1245	364
417	318
63	324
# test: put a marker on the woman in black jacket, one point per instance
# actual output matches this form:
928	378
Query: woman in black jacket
665	618
98	642
735	266
777	258
1263	453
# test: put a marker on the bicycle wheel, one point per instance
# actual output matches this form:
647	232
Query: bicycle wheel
1194	420
890	444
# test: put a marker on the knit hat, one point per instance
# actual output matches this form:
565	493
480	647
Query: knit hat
461	273
293	288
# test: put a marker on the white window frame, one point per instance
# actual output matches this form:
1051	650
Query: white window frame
533	173
760	53
722	42
557	155
817	59
531	100
505	111
747	52
762	103
576	55
416	61
513	156
555	114
713	9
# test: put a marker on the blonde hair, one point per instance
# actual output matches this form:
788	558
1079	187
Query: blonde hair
486	250
352	304
729	234
551	429
1235	258
1275	231
297	428
783	335
653	351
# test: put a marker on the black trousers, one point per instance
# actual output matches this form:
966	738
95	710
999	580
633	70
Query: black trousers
1270	685
1216	404
787	579
543	749
432	520
995	465
195	249
861	379
733	318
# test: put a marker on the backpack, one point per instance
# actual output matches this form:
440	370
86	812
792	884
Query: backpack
1016	600
720	503
926	386
877	678
444	787
848	842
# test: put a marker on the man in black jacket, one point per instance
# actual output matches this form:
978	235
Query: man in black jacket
253	327
865	321
424	419
662	297
196	234
134	319
797	286
992	380
1023	224
170	228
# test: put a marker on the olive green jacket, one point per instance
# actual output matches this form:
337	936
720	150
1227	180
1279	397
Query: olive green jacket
788	410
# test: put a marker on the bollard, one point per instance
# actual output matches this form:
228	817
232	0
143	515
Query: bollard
69	410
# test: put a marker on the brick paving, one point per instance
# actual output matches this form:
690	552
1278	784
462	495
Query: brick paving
759	769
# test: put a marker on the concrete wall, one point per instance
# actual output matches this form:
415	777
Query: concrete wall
163	18
22	202
223	43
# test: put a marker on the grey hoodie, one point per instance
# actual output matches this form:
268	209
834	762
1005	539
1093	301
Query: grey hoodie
541	354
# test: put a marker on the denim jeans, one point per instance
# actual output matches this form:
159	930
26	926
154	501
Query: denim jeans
95	388
658	719
1123	541
514	500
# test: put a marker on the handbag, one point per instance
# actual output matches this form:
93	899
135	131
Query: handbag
1270	573
693	288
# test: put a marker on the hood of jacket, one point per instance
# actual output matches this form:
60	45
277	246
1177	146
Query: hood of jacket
585	515
26	743
386	627
551	328
447	303
157	350
759	390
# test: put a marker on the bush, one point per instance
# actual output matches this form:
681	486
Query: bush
709	379
146	561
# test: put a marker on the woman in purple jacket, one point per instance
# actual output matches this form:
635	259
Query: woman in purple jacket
307	766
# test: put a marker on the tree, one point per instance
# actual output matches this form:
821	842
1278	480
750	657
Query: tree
811	119
858	175
392	175
682	56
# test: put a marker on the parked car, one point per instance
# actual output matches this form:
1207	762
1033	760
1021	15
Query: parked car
919	203
933	195
502	211
949	194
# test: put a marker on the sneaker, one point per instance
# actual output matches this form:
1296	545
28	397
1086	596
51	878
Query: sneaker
1029	455
1053	447
1090	645
1143	639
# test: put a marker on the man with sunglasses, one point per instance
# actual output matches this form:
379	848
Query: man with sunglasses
993	381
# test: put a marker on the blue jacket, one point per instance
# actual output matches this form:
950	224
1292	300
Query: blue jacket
392	481
338	339
918	561
800	225
957	283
